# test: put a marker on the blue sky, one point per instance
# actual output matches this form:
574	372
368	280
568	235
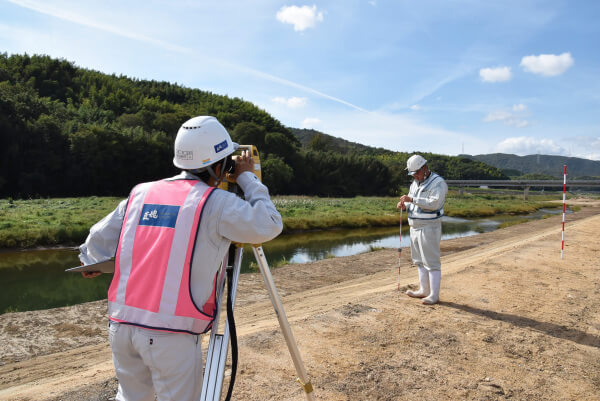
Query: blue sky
442	76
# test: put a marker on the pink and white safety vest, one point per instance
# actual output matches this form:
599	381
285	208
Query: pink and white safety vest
151	284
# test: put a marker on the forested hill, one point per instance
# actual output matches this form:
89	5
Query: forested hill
450	167
315	140
551	166
69	131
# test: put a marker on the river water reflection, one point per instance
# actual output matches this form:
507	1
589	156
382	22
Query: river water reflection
33	280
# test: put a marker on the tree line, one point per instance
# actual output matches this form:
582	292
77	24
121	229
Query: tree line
69	131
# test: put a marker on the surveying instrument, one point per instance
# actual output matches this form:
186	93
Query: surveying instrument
216	356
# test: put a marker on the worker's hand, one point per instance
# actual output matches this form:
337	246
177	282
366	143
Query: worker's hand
90	274
243	163
403	200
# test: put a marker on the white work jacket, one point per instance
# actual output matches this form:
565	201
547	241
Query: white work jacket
226	218
428	197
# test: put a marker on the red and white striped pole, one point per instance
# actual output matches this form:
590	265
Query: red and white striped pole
562	246
400	250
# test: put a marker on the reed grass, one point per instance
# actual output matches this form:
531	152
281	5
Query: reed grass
66	221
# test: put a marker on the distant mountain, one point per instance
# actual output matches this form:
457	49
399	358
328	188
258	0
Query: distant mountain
514	165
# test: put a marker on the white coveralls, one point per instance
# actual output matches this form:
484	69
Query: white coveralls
170	364
424	218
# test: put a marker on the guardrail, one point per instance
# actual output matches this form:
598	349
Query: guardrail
526	184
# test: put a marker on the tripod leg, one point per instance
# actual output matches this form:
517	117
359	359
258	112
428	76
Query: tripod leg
216	355
283	322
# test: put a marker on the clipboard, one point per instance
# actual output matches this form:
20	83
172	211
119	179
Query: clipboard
106	266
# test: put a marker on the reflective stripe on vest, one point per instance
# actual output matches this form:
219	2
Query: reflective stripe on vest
415	212
151	283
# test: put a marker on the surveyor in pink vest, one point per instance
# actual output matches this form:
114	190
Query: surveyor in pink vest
169	239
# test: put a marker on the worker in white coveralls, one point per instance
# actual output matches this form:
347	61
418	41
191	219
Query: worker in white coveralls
169	240
425	204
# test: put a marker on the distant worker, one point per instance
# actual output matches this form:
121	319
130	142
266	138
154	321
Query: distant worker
425	204
169	240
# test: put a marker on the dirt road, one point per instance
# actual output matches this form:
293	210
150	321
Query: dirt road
515	322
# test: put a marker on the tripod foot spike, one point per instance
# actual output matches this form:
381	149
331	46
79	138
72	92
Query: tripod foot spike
308	388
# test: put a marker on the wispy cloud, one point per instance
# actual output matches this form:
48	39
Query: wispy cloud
292	102
65	15
548	65
524	145
513	118
311	122
61	13
398	132
498	74
430	86
587	147
301	17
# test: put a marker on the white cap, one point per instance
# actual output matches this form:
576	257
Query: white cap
414	163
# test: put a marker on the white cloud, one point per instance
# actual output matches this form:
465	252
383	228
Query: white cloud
415	107
513	119
398	132
497	116
587	147
310	122
301	17
548	65
499	74
506	118
523	145
292	102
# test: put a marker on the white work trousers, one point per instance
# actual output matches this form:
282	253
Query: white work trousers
150	361
425	245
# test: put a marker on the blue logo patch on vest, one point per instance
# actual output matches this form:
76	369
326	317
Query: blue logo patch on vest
159	215
220	146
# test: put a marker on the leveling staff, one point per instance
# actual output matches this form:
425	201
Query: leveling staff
425	204
171	237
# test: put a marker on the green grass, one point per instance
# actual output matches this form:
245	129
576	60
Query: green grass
302	213
50	222
473	205
66	221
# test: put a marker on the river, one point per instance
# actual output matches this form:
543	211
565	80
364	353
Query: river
35	279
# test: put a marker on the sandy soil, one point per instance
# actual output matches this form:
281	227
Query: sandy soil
514	322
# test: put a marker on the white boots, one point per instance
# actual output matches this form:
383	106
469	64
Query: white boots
435	279
429	282
424	284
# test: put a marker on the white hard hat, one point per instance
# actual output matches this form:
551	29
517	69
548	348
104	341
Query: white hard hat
414	163
200	142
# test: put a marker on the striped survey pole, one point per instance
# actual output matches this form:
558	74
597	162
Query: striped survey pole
562	245
400	250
